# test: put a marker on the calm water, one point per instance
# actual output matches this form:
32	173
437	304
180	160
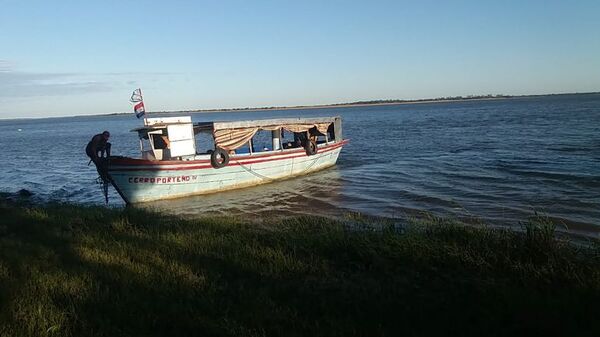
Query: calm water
495	160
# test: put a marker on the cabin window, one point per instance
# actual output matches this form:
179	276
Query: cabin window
317	136
289	139
146	147
205	143
244	149
262	141
160	141
331	133
145	144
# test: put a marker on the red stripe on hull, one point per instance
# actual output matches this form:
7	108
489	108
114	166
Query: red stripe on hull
196	164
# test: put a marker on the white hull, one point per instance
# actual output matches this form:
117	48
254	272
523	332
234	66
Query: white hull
141	181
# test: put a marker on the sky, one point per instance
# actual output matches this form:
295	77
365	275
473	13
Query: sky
63	58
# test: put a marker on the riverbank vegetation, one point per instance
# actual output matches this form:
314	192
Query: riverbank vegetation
90	271
446	99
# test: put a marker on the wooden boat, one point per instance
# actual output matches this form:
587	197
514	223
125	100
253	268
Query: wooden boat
171	165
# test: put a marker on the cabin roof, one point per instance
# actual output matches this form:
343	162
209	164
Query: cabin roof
210	126
155	127
271	122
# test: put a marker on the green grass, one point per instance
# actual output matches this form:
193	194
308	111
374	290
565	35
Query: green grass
90	271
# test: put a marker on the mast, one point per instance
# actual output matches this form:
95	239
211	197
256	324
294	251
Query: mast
145	111
137	97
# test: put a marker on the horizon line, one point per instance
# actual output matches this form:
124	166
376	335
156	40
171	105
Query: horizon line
375	102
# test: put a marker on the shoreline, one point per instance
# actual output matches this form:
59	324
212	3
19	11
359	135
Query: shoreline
577	231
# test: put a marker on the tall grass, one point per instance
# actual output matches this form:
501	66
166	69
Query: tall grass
87	271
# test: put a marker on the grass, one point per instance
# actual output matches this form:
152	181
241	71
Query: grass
90	271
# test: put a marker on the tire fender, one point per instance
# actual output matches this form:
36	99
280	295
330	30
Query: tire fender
219	158
311	148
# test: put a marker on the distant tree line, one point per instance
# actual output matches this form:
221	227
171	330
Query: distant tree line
379	101
446	98
382	101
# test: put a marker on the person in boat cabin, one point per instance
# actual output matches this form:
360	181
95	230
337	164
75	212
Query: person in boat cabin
299	139
162	142
166	141
313	134
331	132
98	144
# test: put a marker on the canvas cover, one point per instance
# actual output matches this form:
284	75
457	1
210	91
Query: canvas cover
231	137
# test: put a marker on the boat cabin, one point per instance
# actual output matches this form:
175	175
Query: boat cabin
177	138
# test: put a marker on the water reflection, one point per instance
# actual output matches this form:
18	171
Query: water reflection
317	193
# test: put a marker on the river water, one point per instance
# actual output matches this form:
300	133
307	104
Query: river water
497	161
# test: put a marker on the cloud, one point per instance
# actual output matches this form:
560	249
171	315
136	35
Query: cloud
30	84
5	65
21	84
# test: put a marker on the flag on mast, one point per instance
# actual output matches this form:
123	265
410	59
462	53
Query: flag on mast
136	97
139	109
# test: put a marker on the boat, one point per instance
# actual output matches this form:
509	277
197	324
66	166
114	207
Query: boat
238	154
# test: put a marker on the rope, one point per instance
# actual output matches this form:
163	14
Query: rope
103	187
102	168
